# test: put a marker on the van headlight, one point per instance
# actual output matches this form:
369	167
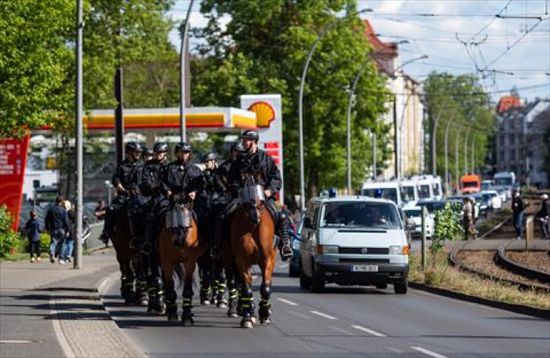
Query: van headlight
399	250
327	249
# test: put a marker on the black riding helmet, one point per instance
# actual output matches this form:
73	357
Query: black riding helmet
208	156
250	134
133	147
148	151
182	147
160	148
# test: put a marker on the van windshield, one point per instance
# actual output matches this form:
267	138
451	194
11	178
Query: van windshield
382	193
504	182
407	193
470	184
360	214
424	191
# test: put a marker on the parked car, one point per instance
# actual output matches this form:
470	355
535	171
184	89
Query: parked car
415	214
496	200
353	241
484	202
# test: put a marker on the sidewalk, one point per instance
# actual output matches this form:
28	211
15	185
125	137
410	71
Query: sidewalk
52	310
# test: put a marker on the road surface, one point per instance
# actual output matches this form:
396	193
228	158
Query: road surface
342	322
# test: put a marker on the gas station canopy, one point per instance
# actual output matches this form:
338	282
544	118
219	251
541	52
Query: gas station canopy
204	118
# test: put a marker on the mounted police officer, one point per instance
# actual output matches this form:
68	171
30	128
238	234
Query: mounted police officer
180	182
254	159
125	180
151	186
223	169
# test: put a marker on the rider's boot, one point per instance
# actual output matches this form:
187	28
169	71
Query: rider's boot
283	227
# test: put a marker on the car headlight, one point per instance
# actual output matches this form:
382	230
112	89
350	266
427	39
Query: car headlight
399	250
327	249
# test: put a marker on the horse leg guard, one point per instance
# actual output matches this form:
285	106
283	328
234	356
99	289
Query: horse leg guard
187	314
247	307
232	304
127	290
142	297
156	298
221	302
171	305
265	304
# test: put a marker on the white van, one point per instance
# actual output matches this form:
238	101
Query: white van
383	190
409	192
353	241
424	184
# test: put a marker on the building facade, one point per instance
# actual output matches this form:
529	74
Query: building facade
520	142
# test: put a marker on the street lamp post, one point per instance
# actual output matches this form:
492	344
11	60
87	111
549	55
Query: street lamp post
457	162
79	136
473	154
447	126
466	152
183	70
320	36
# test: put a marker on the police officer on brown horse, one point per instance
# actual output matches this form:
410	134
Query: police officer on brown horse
254	161
125	180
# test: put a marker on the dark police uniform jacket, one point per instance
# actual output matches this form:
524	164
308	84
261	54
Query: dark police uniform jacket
181	177
261	166
128	174
150	182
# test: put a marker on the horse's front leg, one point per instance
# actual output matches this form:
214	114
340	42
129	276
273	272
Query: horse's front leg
127	283
221	301
170	292
233	294
141	282
246	300
187	314
265	289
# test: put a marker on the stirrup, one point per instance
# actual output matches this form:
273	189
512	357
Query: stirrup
286	252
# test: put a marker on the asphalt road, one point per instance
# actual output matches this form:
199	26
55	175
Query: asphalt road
342	322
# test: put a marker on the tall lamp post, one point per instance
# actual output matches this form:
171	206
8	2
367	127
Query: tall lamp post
183	70
320	36
79	135
466	151
447	126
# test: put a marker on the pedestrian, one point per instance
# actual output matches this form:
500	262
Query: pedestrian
32	229
68	243
543	216
518	208
57	224
468	219
100	210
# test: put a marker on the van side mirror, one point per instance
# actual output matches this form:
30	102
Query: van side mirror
307	223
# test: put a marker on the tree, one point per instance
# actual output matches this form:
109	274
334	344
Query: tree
34	38
461	103
262	50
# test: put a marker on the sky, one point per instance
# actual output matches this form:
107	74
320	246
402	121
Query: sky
506	43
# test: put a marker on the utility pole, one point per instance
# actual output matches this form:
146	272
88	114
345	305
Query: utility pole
473	154
457	161
78	138
447	155
395	134
374	155
466	152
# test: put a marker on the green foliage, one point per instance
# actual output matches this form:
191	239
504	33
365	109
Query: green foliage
9	240
447	227
461	102
33	62
263	49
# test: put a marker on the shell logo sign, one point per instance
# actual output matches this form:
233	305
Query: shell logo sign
265	113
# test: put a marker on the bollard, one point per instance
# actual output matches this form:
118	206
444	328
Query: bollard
529	230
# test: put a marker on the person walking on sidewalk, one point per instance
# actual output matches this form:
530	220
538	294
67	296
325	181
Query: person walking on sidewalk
518	208
543	215
68	243
57	223
32	229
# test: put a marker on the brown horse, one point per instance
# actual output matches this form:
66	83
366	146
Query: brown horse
173	253
252	232
128	261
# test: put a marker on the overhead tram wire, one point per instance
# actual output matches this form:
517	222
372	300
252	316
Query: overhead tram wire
492	20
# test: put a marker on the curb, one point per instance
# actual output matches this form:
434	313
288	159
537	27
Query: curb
526	310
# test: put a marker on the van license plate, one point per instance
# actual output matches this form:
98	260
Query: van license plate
364	268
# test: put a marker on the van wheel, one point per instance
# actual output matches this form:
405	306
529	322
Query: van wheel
400	287
317	282
305	282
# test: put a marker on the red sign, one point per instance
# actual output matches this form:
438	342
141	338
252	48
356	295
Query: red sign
271	145
13	159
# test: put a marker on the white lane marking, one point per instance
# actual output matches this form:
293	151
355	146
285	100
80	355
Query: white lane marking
323	315
340	330
429	353
61	338
299	314
287	301
369	331
14	341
